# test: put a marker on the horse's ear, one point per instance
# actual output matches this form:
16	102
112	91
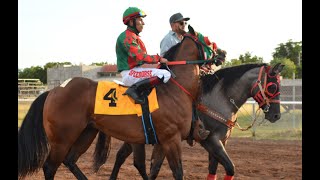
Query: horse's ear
277	68
191	30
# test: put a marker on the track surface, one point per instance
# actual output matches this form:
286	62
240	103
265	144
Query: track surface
254	159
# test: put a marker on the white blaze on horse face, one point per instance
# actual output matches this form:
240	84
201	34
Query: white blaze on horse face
65	82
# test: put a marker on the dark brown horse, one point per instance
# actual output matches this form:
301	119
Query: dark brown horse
57	120
222	94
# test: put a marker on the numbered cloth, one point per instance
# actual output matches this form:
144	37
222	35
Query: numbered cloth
110	101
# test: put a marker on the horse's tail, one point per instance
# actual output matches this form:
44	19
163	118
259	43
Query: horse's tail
101	151
32	140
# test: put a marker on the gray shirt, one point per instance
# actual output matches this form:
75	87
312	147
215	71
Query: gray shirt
168	41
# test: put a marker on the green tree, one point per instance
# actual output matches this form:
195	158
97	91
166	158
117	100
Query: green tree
233	62
288	69
98	63
246	58
38	72
55	64
34	72
292	51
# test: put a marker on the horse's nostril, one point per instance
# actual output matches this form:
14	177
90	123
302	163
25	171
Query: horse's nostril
277	116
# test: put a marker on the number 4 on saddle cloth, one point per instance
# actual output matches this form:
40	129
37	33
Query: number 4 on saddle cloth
109	100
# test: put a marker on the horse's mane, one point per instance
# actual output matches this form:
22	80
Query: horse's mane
171	52
228	74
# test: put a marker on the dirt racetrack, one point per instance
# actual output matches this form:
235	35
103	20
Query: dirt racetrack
253	159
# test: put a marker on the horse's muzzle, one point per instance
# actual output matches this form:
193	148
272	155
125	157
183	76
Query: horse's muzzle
273	117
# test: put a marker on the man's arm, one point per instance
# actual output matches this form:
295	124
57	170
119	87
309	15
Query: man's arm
138	54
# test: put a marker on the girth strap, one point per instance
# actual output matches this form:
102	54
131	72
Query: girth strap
149	131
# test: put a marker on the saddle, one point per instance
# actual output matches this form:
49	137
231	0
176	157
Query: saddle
110	101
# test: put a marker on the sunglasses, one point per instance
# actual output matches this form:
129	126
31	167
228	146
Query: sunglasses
182	23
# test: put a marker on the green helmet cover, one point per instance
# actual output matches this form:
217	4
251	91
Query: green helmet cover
132	12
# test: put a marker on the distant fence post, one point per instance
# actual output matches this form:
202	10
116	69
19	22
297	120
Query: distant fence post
254	115
293	99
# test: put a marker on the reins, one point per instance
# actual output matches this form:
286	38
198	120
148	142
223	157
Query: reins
181	62
182	88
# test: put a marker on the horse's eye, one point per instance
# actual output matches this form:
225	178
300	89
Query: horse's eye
271	89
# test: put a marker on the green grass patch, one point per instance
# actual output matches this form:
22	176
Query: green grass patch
288	127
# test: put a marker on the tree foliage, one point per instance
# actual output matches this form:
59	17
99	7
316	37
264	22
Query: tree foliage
292	51
244	59
34	72
288	69
98	63
38	72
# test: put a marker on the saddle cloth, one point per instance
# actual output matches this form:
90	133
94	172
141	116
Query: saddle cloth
110	101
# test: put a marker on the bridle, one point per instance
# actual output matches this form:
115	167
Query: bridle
262	96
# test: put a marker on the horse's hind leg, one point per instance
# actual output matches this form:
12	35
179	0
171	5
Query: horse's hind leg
172	150
78	148
122	155
57	154
139	156
49	170
61	136
157	159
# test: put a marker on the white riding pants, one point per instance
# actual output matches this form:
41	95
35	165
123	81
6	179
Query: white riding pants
137	74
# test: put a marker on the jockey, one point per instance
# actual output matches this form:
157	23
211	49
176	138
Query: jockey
131	54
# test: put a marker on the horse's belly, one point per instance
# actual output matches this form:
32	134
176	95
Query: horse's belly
125	128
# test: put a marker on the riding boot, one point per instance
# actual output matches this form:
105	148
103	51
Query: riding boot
199	132
138	88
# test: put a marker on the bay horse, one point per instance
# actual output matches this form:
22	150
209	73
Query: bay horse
223	93
57	119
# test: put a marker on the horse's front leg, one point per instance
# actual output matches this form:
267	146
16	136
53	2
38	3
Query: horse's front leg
213	165
157	158
172	150
218	154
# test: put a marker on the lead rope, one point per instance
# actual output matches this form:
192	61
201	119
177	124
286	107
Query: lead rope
254	118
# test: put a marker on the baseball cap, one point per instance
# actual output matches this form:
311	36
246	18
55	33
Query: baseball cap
177	17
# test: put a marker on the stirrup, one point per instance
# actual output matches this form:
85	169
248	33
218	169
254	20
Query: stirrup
203	134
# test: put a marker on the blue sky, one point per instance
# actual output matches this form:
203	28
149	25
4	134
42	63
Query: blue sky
82	31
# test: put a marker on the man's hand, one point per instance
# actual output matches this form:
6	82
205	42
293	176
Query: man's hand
163	60
221	57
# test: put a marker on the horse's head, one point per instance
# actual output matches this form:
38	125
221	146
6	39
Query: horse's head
190	52
266	91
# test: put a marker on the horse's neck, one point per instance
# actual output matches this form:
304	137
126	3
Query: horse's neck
187	75
216	100
227	102
185	84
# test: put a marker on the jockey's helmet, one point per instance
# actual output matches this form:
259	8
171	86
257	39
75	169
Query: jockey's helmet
131	13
